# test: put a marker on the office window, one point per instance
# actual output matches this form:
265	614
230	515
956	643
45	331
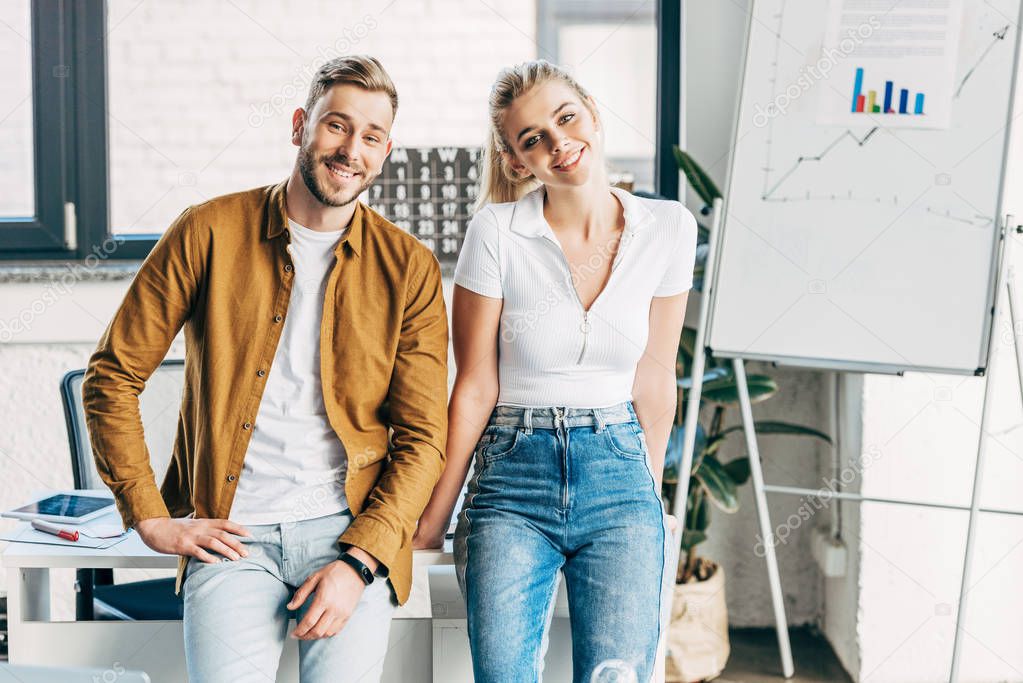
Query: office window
17	191
35	76
610	46
120	114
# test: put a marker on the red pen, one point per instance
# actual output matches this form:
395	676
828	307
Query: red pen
48	528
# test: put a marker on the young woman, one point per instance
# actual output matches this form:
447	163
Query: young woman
567	313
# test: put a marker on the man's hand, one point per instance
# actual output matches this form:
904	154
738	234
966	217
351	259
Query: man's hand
193	537
338	590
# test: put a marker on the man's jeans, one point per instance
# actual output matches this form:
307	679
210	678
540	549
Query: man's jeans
571	490
236	621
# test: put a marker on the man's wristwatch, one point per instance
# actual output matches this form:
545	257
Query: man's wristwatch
364	572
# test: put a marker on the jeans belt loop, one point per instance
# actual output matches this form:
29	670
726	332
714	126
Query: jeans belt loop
598	417
527	420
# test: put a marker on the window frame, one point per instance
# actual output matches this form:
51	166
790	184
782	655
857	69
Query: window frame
70	152
669	97
44	231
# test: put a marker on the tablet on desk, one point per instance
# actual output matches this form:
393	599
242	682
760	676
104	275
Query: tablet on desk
66	508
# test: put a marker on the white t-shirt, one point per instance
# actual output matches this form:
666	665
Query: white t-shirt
295	465
551	351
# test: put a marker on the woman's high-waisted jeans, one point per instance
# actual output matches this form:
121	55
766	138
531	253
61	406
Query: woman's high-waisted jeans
567	489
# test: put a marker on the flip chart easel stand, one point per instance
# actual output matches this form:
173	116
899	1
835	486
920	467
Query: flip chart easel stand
1005	278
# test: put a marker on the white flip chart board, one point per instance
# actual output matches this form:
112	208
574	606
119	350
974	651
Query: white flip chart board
865	194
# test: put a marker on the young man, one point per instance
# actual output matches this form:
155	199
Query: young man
313	419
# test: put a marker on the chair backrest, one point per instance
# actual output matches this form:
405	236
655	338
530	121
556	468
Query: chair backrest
10	673
159	405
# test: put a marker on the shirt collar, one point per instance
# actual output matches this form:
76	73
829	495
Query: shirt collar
277	219
532	223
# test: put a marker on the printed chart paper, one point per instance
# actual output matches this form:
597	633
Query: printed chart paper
893	65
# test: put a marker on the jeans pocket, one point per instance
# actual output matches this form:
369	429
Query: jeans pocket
500	442
626	439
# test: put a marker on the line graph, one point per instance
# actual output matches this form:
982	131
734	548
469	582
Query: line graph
977	220
774	94
998	36
767	196
786	180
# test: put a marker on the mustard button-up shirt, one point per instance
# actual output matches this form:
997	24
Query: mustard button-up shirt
222	271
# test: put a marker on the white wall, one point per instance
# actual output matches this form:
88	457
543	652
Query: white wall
201	94
841	595
926	429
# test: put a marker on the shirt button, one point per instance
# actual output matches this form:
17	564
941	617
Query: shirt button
278	318
247	425
231	477
287	268
261	373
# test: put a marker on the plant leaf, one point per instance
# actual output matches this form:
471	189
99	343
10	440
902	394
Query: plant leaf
697	177
718	484
691	539
687	343
738	470
673	451
775	427
726	389
712	373
701	517
713	444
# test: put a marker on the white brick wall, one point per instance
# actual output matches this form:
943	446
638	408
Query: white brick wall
201	94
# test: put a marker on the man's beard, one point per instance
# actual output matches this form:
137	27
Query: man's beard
307	165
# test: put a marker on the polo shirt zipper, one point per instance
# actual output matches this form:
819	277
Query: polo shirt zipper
585	327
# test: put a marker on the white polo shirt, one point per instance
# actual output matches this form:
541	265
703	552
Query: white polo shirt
552	352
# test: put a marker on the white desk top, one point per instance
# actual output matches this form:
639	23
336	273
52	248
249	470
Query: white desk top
132	553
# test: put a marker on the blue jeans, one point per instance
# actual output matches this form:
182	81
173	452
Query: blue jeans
236	617
571	490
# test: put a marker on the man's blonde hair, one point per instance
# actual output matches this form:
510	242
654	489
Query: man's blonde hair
361	70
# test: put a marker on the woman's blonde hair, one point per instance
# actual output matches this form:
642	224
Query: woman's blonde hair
498	183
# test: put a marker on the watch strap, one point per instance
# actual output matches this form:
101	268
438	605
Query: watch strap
364	572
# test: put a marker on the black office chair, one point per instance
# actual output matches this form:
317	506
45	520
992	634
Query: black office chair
98	597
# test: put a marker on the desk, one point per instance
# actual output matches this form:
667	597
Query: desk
157	647
428	639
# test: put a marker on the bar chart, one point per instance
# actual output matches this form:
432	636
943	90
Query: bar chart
889	100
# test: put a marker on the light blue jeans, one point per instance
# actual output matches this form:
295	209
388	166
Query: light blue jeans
571	490
236	619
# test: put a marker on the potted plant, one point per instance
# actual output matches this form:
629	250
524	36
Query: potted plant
698	634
